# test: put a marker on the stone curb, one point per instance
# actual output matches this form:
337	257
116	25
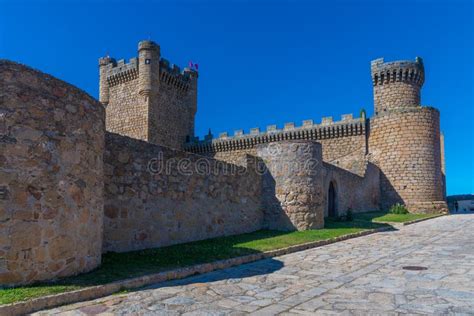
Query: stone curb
422	219
94	292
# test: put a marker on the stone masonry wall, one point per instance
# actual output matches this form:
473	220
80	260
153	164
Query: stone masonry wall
237	157
405	145
51	177
343	142
182	203
344	163
354	192
293	195
346	152
398	94
172	110
127	111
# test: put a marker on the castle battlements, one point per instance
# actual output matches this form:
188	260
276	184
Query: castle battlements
397	71
172	75
120	72
327	129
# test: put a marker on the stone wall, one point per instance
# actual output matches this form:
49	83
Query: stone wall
173	107
237	157
346	152
354	192
293	195
344	143
127	111
51	177
181	203
405	145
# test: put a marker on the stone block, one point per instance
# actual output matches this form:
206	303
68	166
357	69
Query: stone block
326	120
255	131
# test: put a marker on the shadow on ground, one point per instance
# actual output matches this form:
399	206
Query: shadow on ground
360	221
261	267
120	266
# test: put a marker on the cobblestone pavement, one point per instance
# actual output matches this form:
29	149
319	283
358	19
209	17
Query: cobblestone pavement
362	276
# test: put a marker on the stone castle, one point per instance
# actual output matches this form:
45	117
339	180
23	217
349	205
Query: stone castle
80	177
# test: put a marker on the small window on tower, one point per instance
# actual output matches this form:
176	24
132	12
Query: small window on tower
147	61
188	139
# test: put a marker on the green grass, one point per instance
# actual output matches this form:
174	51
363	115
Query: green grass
384	217
118	266
24	293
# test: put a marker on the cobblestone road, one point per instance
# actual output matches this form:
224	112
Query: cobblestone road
359	276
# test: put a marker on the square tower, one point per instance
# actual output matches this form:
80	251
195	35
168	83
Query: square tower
148	99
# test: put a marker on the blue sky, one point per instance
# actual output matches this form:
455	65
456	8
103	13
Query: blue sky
266	62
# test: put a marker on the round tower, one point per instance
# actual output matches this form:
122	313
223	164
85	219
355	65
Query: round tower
148	67
397	84
293	184
404	139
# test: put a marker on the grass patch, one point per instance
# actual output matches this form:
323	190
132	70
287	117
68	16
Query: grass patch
385	217
401	218
118	266
28	292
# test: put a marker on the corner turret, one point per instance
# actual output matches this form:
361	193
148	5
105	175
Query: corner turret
105	63
148	67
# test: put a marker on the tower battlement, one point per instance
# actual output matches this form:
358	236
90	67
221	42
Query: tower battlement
397	71
396	84
174	76
121	72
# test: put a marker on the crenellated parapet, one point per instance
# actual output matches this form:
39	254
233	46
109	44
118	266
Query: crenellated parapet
121	72
118	72
397	84
173	76
397	71
308	130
